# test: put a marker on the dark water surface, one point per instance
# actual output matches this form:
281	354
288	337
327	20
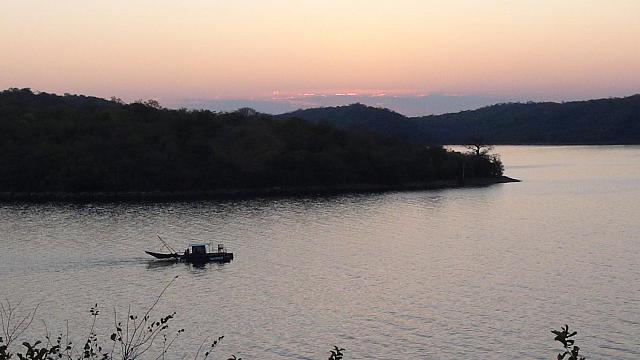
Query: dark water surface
480	273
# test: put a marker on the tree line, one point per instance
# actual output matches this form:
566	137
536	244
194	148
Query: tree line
71	143
602	121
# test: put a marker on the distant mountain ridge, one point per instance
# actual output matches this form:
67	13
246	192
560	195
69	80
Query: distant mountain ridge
408	105
601	121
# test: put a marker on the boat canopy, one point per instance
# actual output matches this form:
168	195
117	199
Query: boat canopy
205	248
199	249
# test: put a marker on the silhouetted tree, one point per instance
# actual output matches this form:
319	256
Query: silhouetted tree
478	146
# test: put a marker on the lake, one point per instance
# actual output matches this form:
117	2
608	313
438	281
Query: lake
480	273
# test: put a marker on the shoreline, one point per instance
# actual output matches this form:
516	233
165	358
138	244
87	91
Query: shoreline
224	194
560	144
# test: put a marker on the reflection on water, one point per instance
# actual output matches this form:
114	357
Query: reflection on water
462	273
161	264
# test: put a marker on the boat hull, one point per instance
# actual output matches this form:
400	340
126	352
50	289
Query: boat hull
194	258
163	256
210	257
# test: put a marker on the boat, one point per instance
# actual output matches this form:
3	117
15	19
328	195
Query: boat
195	253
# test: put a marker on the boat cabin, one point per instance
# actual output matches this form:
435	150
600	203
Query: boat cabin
203	249
198	249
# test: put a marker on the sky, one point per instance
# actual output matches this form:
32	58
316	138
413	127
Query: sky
284	54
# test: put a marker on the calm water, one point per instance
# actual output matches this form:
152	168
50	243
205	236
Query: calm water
480	273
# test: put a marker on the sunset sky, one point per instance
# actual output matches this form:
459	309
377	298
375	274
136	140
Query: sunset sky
185	52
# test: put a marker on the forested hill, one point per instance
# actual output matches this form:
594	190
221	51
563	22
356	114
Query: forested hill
603	121
72	144
358	116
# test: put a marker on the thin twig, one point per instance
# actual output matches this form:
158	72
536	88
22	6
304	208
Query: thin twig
200	347
135	330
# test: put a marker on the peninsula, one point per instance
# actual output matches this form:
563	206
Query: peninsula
80	147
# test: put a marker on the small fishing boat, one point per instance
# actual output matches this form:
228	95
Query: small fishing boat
195	253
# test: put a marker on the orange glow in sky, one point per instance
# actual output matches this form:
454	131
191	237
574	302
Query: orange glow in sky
252	48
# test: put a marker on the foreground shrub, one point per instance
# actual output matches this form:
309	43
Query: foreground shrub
570	349
132	338
147	337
